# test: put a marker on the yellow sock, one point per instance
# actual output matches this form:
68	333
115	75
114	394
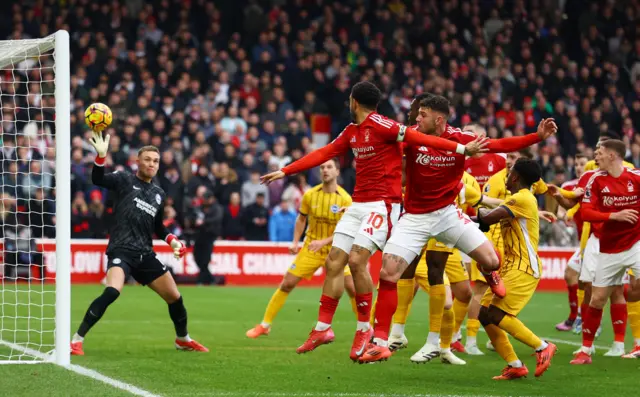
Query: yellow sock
460	309
500	341
446	331
275	304
473	326
405	298
436	307
519	331
354	306
580	297
633	318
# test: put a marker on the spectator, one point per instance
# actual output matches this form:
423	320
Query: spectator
207	223
282	222
253	187
256	220
233	228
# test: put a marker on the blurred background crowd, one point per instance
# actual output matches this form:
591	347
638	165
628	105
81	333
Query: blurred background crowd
229	90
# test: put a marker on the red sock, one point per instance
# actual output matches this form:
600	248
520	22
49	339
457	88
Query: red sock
584	311
363	302
386	305
573	301
328	306
619	320
590	325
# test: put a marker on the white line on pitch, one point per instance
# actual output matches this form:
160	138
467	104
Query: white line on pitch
325	394
78	369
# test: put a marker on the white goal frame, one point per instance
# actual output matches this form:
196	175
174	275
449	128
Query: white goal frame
59	42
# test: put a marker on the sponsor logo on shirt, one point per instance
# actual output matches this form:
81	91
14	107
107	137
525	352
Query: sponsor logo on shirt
363	152
619	201
435	161
146	207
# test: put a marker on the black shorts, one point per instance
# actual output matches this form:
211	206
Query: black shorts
144	269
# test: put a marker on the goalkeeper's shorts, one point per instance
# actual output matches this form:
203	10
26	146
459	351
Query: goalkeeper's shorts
143	268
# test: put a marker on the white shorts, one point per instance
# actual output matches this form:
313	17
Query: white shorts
575	262
367	225
612	268
590	260
448	225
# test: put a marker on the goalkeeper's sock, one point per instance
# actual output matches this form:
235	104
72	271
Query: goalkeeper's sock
437	298
178	314
97	309
460	309
77	338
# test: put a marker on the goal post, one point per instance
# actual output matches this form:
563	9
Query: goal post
35	199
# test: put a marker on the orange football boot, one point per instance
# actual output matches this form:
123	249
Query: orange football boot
257	331
510	373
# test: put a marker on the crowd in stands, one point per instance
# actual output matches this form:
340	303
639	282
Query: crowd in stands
227	90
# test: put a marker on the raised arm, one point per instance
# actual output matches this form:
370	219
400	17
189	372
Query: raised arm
337	147
546	128
163	234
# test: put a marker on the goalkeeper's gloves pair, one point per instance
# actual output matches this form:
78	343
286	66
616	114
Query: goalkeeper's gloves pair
178	248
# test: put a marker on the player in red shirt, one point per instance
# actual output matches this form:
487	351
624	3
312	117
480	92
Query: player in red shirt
483	165
433	183
572	272
365	226
612	196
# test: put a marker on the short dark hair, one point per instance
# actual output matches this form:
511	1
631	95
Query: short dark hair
528	170
615	145
148	148
581	156
421	97
336	162
366	94
437	103
260	195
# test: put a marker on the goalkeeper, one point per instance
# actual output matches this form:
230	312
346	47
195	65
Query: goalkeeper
138	211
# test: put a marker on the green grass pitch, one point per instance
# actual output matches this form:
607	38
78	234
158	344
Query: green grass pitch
134	344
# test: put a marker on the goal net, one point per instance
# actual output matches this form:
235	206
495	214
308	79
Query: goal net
34	199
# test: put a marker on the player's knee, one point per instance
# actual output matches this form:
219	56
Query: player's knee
598	298
462	292
435	276
390	275
483	316
358	260
287	286
110	295
491	315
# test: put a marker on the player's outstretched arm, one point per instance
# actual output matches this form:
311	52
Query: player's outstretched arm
335	148
546	128
486	218
416	138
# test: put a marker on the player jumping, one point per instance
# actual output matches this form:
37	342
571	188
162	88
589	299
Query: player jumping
322	208
433	183
364	228
138	211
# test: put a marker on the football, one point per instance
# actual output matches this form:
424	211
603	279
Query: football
98	116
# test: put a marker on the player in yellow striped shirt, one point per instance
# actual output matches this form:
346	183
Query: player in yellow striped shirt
521	271
321	209
496	187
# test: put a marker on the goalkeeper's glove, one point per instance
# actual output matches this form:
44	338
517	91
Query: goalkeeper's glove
178	248
100	143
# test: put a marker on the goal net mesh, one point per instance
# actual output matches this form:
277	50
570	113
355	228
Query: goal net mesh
27	199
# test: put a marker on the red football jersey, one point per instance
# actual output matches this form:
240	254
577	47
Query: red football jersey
607	194
483	167
433	176
376	146
577	218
